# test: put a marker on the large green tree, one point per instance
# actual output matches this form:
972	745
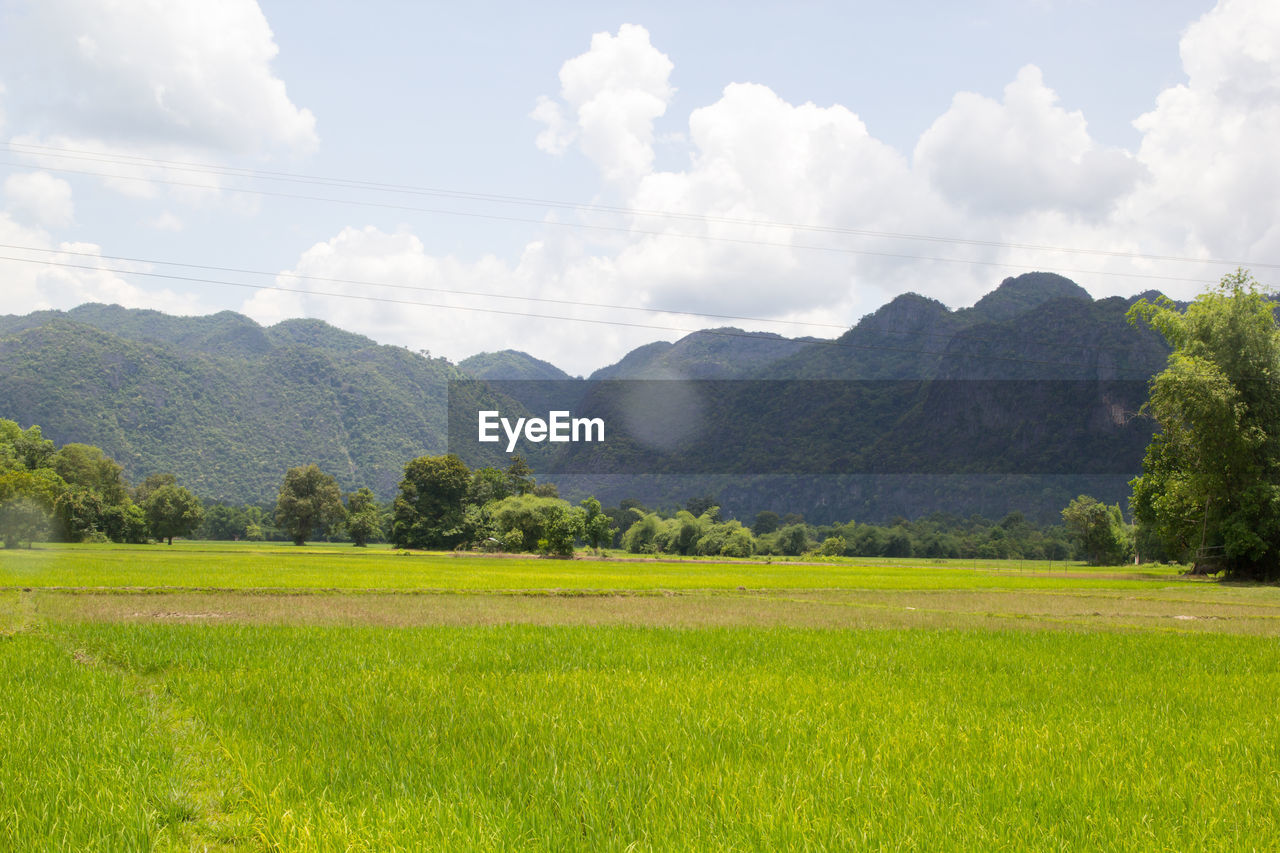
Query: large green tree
364	519
536	523
172	510
597	528
1099	530
88	466
309	500
22	519
1210	483
428	511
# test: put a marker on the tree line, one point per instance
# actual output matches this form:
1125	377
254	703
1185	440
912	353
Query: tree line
76	493
442	505
1209	491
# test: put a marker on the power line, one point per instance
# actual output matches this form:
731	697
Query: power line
345	183
717	332
421	288
489	294
632	231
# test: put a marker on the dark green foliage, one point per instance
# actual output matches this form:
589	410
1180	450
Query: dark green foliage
309	501
428	511
687	534
150	484
87	466
544	524
642	537
1100	531
621	517
488	485
934	536
221	402
597	528
22	519
172	510
510	364
767	521
28	448
699	505
791	540
364	519
520	476
1210	484
79	511
127	523
91	504
250	522
563	528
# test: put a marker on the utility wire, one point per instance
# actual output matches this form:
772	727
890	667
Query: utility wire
30	149
489	294
631	231
421	288
717	332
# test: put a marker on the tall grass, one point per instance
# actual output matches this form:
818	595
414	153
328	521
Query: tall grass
627	738
82	766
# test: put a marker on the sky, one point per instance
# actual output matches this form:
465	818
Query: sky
576	179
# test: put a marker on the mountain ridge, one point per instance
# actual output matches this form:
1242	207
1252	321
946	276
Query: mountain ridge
228	404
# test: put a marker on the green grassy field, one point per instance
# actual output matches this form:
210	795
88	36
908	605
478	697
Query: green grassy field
223	565
835	706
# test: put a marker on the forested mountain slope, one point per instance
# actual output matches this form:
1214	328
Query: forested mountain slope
221	402
227	405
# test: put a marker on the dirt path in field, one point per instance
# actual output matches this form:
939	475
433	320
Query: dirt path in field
209	807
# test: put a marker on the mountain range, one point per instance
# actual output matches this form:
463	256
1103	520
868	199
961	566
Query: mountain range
228	405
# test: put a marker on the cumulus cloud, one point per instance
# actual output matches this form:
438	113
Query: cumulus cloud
67	274
1023	154
39	198
406	296
611	94
1210	143
130	82
1018	170
156	72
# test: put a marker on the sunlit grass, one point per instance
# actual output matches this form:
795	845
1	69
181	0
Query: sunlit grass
603	738
266	697
315	566
81	767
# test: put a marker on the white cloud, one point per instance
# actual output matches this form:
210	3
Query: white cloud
558	134
167	221
70	274
1210	144
1024	154
757	158
39	198
1019	170
120	85
167	73
613	93
395	267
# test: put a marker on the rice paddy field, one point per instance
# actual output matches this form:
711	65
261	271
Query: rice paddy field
260	697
